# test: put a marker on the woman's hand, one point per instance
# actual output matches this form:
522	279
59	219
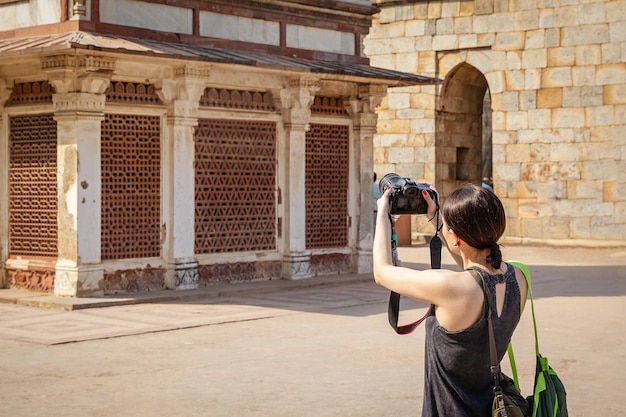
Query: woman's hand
432	204
383	203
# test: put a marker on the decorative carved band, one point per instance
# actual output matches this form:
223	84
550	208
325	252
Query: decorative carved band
372	90
192	71
78	102
84	62
237	99
32	279
304	83
329	106
35	92
132	93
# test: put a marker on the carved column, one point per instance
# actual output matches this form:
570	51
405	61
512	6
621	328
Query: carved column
80	83
5	93
362	109
182	96
296	100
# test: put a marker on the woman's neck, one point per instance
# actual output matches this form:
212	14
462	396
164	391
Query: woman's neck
475	257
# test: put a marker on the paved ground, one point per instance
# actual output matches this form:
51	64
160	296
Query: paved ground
293	349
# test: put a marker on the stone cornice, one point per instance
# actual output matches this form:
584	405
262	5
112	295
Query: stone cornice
89	63
78	73
192	71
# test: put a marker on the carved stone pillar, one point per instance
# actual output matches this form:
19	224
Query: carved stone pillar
182	96
80	83
5	93
362	109
296	102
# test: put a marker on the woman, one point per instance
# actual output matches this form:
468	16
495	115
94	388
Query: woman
457	380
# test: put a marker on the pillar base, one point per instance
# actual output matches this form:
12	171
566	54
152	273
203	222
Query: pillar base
362	262
182	276
297	266
79	281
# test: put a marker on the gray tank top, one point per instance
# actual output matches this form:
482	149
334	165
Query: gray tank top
457	380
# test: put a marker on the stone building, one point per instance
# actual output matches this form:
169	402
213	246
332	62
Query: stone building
148	144
555	73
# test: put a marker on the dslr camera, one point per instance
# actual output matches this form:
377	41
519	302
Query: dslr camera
406	195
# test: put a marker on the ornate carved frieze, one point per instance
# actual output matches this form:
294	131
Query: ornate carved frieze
330	263
32	279
238	272
89	63
134	280
238	99
78	102
329	106
28	93
132	93
192	71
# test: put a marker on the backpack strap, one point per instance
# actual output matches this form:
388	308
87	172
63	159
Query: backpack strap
493	354
526	273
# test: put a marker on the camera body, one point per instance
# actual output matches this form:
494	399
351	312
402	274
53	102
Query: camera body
406	195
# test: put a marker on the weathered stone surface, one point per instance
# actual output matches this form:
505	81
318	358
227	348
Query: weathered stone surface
556	75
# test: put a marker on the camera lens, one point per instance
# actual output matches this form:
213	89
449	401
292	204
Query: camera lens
390	180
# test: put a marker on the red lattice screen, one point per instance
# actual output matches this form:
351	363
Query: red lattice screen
131	186
326	181
33	185
235	186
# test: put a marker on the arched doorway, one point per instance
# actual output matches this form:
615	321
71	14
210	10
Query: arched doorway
463	132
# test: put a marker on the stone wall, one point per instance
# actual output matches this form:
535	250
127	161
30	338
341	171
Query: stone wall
556	74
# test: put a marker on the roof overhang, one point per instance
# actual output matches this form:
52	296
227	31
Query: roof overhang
58	43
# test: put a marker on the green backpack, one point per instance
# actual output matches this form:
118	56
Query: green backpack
549	397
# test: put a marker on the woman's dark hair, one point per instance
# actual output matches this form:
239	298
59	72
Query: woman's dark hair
477	216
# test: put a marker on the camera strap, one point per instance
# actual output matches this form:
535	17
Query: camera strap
394	298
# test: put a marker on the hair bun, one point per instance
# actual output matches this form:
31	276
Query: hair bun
495	256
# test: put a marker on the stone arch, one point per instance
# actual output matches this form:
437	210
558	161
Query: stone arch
463	129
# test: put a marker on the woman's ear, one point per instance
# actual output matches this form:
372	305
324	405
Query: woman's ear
454	238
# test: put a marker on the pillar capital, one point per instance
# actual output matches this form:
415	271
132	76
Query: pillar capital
296	100
182	93
78	73
362	108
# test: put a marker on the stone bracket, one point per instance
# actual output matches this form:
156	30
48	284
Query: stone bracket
78	73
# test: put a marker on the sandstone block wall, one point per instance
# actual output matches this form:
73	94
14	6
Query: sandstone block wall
556	74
